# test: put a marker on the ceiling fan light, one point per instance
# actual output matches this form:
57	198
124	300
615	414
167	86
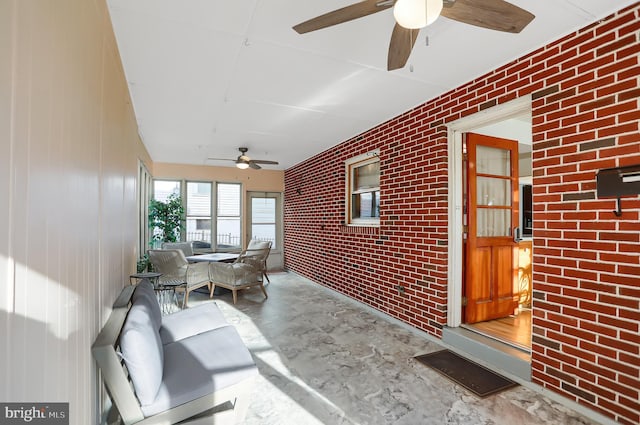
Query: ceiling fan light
415	14
242	165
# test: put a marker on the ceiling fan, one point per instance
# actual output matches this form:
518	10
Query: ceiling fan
244	162
497	15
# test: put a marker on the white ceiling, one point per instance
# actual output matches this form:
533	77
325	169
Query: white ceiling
209	76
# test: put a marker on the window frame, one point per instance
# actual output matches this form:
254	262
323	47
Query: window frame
350	165
154	244
144	195
214	209
215	216
185	204
276	196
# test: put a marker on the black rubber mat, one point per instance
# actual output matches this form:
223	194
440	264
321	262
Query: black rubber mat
477	379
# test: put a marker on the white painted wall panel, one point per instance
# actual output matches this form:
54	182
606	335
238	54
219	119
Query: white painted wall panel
68	145
6	271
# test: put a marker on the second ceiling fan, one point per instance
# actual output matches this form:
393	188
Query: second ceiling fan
244	162
497	15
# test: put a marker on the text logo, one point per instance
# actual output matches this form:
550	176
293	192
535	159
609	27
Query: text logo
34	413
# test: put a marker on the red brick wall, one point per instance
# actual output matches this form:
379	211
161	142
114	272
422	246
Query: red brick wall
585	91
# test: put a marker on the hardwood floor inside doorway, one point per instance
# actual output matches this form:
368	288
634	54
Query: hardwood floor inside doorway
514	330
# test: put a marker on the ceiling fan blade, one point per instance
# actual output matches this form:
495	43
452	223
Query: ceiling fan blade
496	15
220	159
345	14
253	165
263	161
402	41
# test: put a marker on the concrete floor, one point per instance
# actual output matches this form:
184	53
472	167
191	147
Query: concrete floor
324	359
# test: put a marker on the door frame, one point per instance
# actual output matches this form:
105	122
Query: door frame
455	129
275	261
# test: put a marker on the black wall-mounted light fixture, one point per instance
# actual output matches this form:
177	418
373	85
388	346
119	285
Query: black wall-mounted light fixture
618	182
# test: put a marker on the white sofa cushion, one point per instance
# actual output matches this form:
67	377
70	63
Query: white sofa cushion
142	352
200	365
191	321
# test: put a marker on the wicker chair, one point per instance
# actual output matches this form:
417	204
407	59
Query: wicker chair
178	273
257	244
185	247
247	271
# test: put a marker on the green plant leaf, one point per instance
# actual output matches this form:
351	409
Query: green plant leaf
166	219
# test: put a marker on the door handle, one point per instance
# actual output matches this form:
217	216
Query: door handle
517	235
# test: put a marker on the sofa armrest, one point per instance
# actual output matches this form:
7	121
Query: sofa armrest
110	363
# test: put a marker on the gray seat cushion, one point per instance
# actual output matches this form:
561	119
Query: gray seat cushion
200	365
181	324
191	321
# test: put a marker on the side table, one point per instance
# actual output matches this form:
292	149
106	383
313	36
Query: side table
166	293
153	278
167	297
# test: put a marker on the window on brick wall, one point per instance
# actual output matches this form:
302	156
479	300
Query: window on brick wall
363	190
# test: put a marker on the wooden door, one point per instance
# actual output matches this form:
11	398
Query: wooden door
491	247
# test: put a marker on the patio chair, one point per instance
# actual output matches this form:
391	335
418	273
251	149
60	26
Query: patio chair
185	247
245	272
178	273
257	244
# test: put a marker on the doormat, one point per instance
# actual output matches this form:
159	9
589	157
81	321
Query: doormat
477	379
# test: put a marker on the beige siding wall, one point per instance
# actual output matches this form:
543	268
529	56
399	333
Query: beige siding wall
68	166
252	180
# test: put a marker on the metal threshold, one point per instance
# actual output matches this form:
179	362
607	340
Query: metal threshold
490	352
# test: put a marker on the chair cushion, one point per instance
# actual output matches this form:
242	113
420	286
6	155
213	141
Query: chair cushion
191	321
185	247
257	244
141	350
146	295
200	365
170	262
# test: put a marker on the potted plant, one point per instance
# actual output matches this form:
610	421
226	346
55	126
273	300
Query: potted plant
143	264
166	219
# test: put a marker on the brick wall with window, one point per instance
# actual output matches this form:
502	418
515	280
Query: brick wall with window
586	324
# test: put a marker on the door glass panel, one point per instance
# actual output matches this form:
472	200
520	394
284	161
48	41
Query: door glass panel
493	222
493	191
494	161
263	219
